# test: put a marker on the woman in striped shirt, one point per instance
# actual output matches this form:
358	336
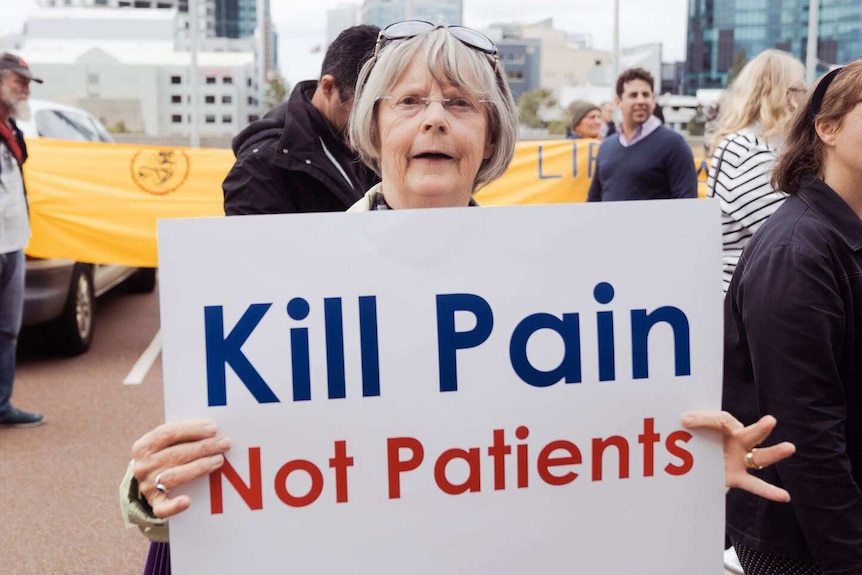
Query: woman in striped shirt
753	116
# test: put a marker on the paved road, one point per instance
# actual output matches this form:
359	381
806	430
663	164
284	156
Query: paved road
58	482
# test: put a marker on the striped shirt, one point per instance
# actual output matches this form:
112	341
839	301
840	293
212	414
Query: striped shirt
739	177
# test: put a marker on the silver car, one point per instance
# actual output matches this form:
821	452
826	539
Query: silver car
59	295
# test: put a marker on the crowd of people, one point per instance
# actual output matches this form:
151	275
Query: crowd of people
429	112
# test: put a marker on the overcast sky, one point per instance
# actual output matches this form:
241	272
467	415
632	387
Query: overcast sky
302	24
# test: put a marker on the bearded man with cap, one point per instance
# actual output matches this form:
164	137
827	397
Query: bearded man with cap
15	78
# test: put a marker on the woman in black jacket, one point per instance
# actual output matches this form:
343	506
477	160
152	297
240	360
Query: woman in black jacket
793	344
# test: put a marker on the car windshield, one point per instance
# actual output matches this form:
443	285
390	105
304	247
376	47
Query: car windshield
69	125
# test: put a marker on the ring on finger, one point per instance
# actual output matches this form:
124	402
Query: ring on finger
160	486
749	459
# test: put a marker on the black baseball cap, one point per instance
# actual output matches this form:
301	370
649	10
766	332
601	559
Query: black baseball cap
9	61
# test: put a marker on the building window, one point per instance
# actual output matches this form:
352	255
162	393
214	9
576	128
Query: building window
176	99
99	3
124	4
92	78
161	5
211	80
253	118
209	119
176	80
209	99
227	119
227	80
139	4
176	119
226	100
248	83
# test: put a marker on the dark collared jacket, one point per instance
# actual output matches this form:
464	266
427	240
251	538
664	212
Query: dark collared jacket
293	161
19	137
793	349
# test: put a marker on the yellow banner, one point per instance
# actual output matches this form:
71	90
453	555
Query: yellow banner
553	172
100	203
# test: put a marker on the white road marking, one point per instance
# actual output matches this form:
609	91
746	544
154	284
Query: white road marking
145	362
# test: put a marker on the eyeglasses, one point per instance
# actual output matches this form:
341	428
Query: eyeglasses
410	105
412	28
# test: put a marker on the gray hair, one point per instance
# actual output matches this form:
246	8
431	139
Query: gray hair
449	62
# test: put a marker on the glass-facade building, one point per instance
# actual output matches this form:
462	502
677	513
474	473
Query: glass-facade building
720	31
381	13
235	18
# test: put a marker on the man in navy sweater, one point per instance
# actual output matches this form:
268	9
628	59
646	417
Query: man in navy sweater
644	160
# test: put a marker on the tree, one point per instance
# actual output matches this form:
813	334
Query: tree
276	92
697	124
531	103
739	61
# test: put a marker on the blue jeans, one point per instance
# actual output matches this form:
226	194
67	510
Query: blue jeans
11	309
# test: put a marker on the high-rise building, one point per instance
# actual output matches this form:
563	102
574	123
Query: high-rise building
134	66
339	19
206	10
235	18
721	32
384	12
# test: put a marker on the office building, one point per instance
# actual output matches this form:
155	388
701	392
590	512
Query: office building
125	67
339	19
722	31
205	9
384	12
235	18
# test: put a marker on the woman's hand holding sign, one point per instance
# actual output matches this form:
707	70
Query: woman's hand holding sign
172	455
740	451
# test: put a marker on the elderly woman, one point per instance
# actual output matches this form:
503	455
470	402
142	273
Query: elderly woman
793	343
586	120
751	125
434	117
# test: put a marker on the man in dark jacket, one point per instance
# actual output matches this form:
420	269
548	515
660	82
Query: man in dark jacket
296	158
15	80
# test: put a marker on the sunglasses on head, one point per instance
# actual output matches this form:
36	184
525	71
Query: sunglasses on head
412	28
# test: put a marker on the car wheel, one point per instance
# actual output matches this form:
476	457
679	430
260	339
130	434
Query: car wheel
142	281
72	332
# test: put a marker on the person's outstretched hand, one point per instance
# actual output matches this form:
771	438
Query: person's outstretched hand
739	441
173	454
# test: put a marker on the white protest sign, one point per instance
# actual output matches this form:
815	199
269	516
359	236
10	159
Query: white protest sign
492	390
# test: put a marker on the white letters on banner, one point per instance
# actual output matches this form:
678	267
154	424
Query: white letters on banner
492	390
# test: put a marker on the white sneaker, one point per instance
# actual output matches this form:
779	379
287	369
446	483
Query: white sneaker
731	561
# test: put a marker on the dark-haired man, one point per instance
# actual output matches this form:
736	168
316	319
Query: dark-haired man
296	158
15	77
644	160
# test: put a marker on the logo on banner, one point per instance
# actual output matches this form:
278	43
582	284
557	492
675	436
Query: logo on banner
160	172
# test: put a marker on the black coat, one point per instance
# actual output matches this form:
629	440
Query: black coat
293	161
793	349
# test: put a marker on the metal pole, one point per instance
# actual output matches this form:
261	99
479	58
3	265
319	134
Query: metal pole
616	48
194	133
263	42
813	31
